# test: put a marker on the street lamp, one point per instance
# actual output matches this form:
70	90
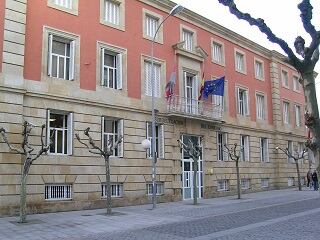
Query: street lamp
177	9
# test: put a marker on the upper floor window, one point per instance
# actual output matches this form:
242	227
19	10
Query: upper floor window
243	102
111	72
218	52
159	135
187	37
260	106
151	25
112	13
245	148
69	6
221	141
296	84
64	3
61	57
59	126
285	78
156	75
240	62
112	129
286	116
258	69
264	155
297	115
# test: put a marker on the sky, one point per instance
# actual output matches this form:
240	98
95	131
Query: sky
282	16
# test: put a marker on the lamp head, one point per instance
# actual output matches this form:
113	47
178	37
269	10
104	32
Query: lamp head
177	9
146	144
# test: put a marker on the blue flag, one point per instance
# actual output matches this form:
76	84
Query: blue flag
214	87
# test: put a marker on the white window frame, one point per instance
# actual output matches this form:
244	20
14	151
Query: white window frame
157	68
58	192
258	69
117	131
285	78
245	183
260	106
159	188
264	183
68	136
286	112
245	145
296	84
264	150
218	52
117	18
243	101
222	185
160	147
297	113
240	61
222	138
116	190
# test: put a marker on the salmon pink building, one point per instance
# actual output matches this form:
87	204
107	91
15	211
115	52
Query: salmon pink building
73	64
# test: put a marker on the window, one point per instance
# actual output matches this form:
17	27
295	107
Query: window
285	110
218	53
159	188
61	57
297	115
264	182
290	150
221	141
223	185
59	126
151	25
243	103
190	92
258	69
58	192
290	181
112	13
245	183
296	84
148	78
159	140
244	144
111	69
69	6
187	37
240	62
264	154
112	129
196	141
260	107
285	78
116	190
63	3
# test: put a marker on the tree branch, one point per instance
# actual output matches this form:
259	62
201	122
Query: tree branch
86	145
5	139
306	15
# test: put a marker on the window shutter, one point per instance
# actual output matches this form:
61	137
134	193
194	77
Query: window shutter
148	152
119	70
70	133
102	52
195	89
247	148
120	133
246	103
238	98
157	80
267	150
72	60
50	39
48	126
161	141
225	141
185	84
102	132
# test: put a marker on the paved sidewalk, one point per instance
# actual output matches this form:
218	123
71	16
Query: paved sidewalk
83	224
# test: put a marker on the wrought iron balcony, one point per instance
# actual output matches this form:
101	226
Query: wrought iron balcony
191	108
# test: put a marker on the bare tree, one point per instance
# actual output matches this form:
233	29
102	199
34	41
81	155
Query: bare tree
304	65
194	152
235	154
26	151
296	157
105	152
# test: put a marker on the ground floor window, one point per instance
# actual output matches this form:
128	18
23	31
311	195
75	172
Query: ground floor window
116	190
159	188
264	182
223	185
245	183
58	192
290	181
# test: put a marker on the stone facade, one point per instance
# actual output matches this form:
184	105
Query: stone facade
25	97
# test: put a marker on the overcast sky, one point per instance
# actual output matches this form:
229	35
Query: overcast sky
282	16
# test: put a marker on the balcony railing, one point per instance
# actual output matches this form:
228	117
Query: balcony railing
192	108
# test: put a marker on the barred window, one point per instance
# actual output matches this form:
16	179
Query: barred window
58	192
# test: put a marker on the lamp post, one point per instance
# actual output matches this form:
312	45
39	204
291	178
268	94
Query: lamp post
177	9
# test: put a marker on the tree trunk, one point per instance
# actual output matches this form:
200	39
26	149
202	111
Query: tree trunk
23	199
108	186
238	179
298	172
195	176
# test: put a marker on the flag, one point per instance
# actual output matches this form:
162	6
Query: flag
170	85
202	87
214	87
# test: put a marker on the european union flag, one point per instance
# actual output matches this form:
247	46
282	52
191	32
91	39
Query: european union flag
214	87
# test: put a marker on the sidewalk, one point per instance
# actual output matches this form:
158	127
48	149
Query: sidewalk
71	225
